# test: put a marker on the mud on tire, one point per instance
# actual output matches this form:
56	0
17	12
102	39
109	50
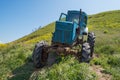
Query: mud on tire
39	57
91	41
85	52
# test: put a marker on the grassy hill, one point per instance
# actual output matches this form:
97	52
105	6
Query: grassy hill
16	63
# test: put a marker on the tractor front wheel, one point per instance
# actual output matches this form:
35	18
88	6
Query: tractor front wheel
91	41
85	52
39	56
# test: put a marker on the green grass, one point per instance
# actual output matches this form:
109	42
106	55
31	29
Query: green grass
107	28
15	57
68	69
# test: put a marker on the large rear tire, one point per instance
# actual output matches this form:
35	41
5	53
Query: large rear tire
85	52
39	56
91	41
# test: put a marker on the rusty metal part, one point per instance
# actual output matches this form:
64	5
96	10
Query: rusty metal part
61	50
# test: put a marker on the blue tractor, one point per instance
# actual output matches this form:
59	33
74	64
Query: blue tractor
71	36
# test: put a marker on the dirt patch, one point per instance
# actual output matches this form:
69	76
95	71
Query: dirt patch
100	72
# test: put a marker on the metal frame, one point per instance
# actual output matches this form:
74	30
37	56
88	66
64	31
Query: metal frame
61	15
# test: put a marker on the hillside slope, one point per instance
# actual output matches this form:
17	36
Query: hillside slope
16	63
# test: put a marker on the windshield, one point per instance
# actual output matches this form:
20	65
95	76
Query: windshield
73	18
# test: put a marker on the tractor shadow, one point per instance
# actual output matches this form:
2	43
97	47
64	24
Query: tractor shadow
23	72
29	72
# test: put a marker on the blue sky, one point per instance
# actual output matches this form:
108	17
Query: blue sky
19	17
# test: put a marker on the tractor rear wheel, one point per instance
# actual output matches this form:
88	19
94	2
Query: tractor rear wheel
39	56
85	52
91	41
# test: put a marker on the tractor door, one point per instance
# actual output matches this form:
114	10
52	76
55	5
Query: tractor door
63	17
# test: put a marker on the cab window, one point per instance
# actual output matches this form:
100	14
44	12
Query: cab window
62	17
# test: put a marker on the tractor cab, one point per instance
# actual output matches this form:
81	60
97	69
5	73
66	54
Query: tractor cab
70	26
73	16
